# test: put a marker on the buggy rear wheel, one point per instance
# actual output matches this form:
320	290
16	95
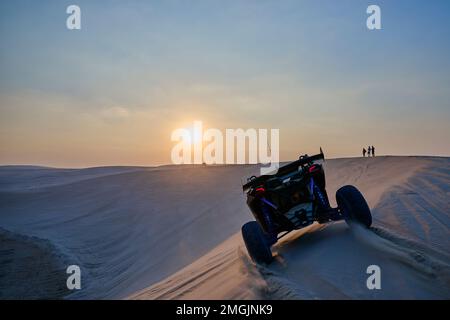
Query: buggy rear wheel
257	242
353	206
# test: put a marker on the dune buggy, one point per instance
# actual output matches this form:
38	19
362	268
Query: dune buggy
293	198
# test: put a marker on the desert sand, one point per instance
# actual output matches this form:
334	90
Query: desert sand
173	232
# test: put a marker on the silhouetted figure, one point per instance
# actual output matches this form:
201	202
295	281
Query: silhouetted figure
364	152
368	151
373	151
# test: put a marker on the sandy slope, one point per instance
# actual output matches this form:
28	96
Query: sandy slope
410	243
177	228
125	229
37	269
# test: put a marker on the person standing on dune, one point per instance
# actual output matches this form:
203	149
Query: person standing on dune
368	151
373	151
364	152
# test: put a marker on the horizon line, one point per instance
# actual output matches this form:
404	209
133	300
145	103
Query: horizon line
39	166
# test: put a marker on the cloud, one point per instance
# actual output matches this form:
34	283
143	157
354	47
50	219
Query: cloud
114	113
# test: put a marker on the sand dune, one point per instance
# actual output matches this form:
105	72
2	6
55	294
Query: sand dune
173	232
119	227
329	262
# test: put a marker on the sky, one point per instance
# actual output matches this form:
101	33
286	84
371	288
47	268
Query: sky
112	92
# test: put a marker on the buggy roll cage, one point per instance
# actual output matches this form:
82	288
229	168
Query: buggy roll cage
256	181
